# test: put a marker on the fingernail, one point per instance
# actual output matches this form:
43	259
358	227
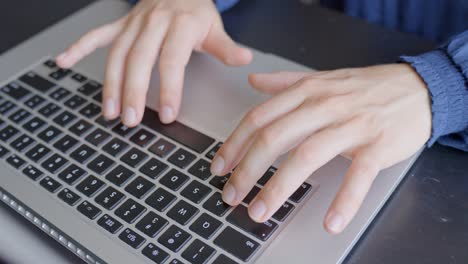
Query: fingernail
217	166
257	209
109	107
166	114
62	56
129	116
335	222
229	193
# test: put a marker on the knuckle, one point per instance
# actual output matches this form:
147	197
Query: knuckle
275	191
254	117
304	154
267	137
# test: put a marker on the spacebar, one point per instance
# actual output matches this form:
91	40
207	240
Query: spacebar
178	132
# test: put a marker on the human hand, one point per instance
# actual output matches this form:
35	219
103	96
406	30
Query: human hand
377	115
170	29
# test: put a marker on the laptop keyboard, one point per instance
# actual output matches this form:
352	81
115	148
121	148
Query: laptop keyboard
149	186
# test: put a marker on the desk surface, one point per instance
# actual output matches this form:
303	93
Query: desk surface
423	222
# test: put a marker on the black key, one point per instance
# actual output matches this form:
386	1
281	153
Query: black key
213	150
301	192
59	94
50	64
89	210
80	127
240	218
50	184
251	195
15	90
54	163
106	123
49	134
49	109
115	146
178	132
109	223
97	137
283	212
268	174
222	259
206	226
79	78
82	153
109	198
174	238
90	110
37	82
22	142
65	143
71	174
130	211
122	129
101	164
64	118
90	186
181	158
142	137
60	74
7	133
119	175
139	187
6	106
162	148
182	212
34	124
3	151
75	101
37	152
174	179
32	172
90	88
151	224
216	205
18	116
153	168
220	181
69	197
131	238
237	244
195	191
15	161
175	261
201	169
160	199
198	252
155	253
34	101
98	97
133	157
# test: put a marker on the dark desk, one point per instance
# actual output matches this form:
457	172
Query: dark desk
425	220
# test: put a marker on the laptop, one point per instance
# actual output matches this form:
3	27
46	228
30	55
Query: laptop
113	194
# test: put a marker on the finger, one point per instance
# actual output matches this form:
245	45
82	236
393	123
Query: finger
275	82
139	65
175	54
354	189
89	42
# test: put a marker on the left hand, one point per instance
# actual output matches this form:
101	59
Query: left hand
377	115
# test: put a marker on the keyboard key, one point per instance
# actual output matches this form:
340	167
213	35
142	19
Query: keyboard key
7	133
283	212
174	238
181	158
97	137
69	197
49	134
18	116
153	168
89	210
266	177
80	127
89	88
50	184
49	109
301	192
15	161
65	143
131	238
130	211
133	157
201	169
216	205
115	146
79	78
182	212
37	82
100	164
75	101
90	186
174	179
32	172
119	175
15	90
240	218
6	106
37	152
71	174
34	124
59	94
64	118
162	148
106	123
54	163
22	142
91	110
34	101
198	252
50	64
109	223
155	253
251	195
82	153
213	150
175	261
60	74
139	187
98	97
237	244
205	226
222	259
142	138
195	191
3	151
109	198
151	224
160	199
122	129
220	181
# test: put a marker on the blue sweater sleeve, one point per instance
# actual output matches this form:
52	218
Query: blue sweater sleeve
222	5
445	72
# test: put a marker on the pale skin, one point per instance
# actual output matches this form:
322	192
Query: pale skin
377	116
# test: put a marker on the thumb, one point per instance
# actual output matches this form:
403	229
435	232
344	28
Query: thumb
275	82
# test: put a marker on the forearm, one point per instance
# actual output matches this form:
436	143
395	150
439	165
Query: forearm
222	5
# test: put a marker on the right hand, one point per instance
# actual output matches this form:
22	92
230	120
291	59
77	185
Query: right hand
170	29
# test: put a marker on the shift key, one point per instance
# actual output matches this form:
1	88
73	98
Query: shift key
240	218
237	244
